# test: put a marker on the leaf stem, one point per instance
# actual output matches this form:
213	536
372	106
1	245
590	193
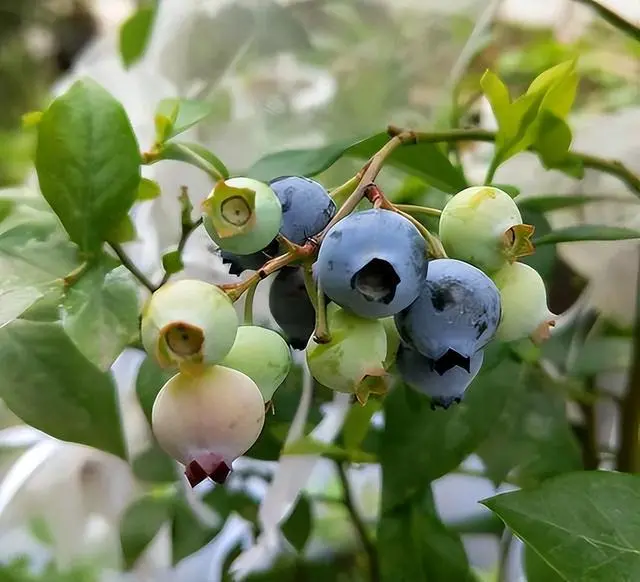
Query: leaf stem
629	453
126	261
613	18
248	303
367	543
414	209
504	549
612	167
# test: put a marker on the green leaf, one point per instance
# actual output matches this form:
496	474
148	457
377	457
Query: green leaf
88	162
309	446
141	523
553	140
124	231
532	439
188	534
558	202
135	34
297	527
413	544
424	160
35	253
602	354
537	569
356	425
172	262
148	189
151	378
50	385
154	465
587	232
497	94
196	156
184	114
584	525
424	444
100	313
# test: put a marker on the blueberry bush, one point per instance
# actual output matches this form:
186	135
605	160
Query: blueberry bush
429	311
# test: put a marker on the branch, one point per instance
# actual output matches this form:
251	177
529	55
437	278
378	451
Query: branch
629	452
126	261
368	545
613	167
613	18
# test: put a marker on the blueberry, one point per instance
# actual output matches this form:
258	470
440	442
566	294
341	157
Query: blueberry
306	207
420	374
456	314
372	263
240	263
291	307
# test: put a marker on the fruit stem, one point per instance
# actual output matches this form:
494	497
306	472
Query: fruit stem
187	230
341	193
414	209
435	246
128	264
367	544
248	303
321	334
613	167
310	285
629	453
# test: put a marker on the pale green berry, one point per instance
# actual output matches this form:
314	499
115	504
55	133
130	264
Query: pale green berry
242	215
205	420
188	322
524	304
262	355
482	225
353	360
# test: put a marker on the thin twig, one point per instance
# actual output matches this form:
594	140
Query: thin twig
629	452
126	261
248	304
367	543
613	167
613	18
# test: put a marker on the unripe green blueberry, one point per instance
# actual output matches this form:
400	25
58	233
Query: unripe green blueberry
188	322
207	419
242	215
483	226
262	355
524	304
354	359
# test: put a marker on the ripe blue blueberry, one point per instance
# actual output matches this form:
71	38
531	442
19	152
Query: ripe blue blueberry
306	207
291	307
372	263
456	314
419	373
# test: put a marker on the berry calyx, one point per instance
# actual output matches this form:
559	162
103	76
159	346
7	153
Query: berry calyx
188	323
242	215
207	420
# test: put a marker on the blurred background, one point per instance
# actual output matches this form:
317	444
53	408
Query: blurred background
304	73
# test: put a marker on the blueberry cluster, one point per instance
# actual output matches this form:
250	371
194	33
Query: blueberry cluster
367	294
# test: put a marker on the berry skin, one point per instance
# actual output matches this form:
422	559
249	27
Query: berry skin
483	226
208	419
242	215
419	373
306	207
524	304
372	263
291	307
456	314
262	355
353	360
188	322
